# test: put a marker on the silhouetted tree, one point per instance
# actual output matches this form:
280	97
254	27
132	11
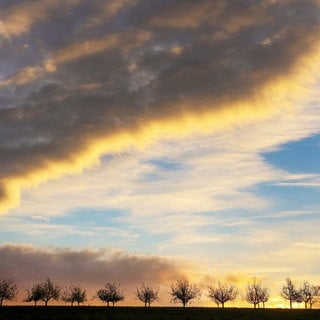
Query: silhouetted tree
256	294
264	296
252	294
308	294
110	293
289	292
74	294
222	292
182	291
8	290
34	293
298	298
315	295
146	294
49	291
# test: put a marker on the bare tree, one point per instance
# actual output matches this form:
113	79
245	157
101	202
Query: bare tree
182	291
222	292
146	294
298	298
308	294
315	295
49	291
74	294
264	296
289	292
256	294
110	293
34	294
305	293
251	295
8	290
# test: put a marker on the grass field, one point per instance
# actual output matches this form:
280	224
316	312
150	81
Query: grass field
155	313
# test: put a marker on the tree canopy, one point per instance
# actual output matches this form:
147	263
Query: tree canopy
183	291
146	294
110	294
44	291
8	290
220	293
256	294
74	294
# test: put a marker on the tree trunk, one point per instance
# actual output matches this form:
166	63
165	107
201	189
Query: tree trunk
290	304
222	304
1	302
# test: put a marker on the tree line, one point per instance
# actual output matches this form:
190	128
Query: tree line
181	291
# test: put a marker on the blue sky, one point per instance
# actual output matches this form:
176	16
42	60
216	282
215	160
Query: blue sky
253	205
298	157
180	137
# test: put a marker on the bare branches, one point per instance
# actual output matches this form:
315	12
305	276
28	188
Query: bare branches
34	294
44	291
8	290
184	292
110	293
49	291
220	293
289	291
256	294
307	293
74	294
146	294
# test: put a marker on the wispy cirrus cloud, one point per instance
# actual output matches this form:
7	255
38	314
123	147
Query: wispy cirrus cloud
206	187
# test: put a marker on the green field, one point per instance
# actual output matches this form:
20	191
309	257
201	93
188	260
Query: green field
155	313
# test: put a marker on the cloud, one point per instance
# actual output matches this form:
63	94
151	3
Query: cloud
236	63
208	185
92	269
202	173
209	189
17	19
299	184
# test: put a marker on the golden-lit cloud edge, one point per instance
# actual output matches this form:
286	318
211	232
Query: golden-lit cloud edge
156	101
279	94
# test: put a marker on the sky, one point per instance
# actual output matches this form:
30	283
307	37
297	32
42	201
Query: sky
149	140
